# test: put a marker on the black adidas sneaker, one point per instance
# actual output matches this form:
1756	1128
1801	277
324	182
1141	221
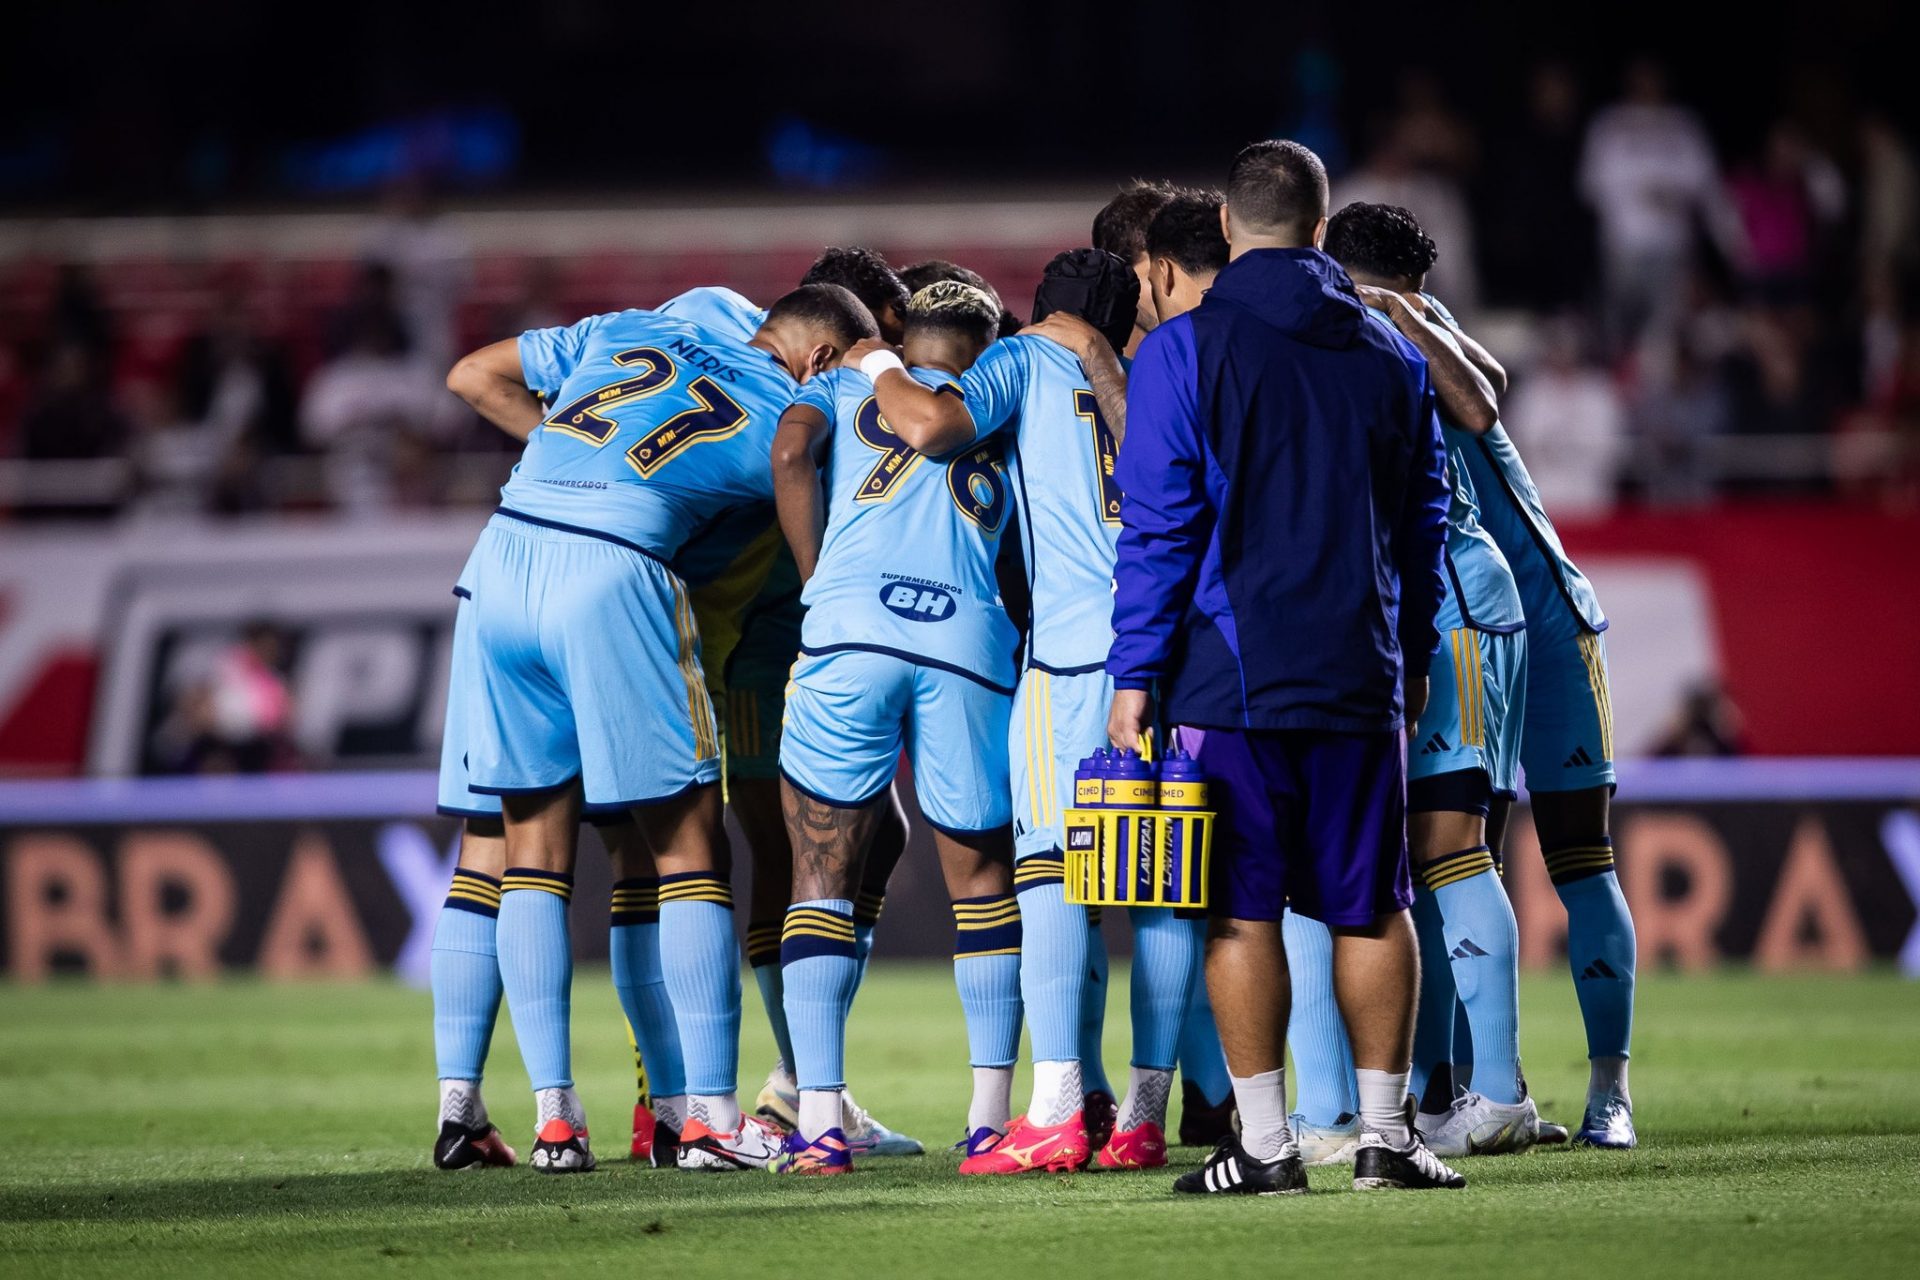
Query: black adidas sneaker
1201	1122
459	1147
1231	1171
1380	1167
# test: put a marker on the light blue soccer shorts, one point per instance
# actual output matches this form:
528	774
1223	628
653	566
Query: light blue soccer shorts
850	711
1478	683
1568	740
574	657
1058	721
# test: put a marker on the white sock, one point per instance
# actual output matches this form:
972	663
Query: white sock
1604	1076
1262	1100
1056	1092
671	1111
460	1102
564	1103
1383	1104
1146	1100
720	1112
992	1099
820	1110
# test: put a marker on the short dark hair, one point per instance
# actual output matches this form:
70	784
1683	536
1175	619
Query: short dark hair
1187	231
830	310
863	272
1277	187
1120	228
954	306
1381	240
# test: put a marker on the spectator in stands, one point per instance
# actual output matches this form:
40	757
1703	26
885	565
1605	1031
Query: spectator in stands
1649	171
372	407
237	715
431	266
231	404
73	418
1889	251
1788	203
1539	233
1392	176
1568	419
1683	406
1706	723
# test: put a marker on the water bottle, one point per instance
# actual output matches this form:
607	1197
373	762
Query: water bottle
1183	792
1134	786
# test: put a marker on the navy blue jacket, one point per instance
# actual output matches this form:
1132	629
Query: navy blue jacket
1286	507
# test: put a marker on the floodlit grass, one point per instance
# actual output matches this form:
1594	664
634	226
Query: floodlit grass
249	1129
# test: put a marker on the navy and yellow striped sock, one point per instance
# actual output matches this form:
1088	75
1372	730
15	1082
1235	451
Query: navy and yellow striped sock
1053	969
1578	861
701	962
986	969
634	950
1600	942
1481	945
465	975
536	969
763	957
1451	868
820	971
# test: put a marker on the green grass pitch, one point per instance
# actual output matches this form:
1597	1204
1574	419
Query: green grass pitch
248	1129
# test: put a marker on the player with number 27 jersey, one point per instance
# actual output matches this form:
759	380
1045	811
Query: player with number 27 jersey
587	655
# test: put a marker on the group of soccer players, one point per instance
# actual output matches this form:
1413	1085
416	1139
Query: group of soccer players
764	553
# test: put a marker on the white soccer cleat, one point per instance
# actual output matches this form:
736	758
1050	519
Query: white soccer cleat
1325	1144
754	1145
779	1099
868	1137
1475	1126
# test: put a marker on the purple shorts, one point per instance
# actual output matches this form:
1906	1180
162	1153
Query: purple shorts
1310	820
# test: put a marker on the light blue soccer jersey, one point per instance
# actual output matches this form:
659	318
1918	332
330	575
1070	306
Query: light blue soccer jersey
1512	513
907	564
717	308
1061	457
654	425
1480	589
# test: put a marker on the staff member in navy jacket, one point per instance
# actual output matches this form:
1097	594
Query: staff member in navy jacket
1279	571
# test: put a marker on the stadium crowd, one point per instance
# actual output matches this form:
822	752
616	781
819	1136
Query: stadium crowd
1700	318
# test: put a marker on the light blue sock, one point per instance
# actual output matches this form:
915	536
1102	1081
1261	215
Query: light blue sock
701	963
1483	946
633	942
763	956
1600	943
1166	963
820	970
1434	1014
1201	1059
1324	1088
465	976
986	969
1053	958
536	969
1093	1010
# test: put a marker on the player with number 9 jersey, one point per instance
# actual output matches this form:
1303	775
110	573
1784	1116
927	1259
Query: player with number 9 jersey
906	640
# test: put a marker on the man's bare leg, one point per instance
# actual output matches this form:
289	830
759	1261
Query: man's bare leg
819	967
1252	995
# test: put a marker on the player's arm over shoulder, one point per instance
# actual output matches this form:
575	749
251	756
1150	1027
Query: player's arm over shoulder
492	381
930	421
